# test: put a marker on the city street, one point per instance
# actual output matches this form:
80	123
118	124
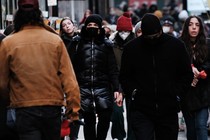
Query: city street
81	137
182	135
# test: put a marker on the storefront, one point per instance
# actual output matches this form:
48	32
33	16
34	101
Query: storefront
8	8
72	8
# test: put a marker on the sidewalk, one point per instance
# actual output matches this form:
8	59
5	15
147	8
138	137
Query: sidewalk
81	136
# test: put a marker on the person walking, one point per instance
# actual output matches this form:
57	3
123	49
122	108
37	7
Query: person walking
67	34
155	70
36	72
123	35
196	103
97	75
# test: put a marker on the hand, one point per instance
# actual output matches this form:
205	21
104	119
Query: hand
118	98
194	82
195	71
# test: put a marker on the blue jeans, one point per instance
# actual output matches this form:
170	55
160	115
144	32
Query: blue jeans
39	123
196	123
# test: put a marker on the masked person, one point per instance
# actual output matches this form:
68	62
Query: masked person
168	26
155	69
120	38
36	72
97	75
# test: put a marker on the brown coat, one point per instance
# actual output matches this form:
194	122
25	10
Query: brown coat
35	67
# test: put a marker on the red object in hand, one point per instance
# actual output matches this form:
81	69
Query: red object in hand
203	74
65	128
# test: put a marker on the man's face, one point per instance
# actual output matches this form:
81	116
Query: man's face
153	39
167	28
93	29
93	25
153	36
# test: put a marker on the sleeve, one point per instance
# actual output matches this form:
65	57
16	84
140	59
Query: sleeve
69	83
184	69
4	69
127	81
113	70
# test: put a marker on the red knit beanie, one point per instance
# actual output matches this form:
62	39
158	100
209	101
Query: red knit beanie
124	22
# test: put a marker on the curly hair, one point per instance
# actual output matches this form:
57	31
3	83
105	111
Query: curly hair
200	51
33	17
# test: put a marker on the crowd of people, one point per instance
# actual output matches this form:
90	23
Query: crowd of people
158	65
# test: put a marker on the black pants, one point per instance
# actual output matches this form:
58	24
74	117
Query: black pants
91	132
39	123
155	127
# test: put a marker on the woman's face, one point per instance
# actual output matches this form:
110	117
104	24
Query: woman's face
194	27
68	26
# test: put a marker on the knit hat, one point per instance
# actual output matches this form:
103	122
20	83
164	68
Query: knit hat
28	5
94	18
150	24
124	22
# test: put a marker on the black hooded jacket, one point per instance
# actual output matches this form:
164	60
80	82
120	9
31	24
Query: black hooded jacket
155	75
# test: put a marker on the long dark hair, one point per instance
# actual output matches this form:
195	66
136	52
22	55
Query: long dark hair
33	17
200	50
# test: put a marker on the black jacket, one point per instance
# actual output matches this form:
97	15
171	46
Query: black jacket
199	97
70	43
160	73
96	70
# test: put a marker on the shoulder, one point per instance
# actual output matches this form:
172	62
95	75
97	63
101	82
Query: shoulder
173	41
76	38
134	42
108	42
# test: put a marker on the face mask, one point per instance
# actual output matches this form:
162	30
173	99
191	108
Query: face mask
166	29
124	34
92	32
152	39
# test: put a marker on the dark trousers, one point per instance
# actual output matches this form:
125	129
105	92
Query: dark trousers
130	133
99	132
155	127
39	123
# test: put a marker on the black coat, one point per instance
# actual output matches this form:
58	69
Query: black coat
199	97
160	73
97	73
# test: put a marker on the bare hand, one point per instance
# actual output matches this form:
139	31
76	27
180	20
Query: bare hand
118	98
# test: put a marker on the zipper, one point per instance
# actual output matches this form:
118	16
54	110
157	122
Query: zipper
92	74
92	61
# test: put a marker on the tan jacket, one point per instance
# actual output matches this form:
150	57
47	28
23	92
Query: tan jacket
35	67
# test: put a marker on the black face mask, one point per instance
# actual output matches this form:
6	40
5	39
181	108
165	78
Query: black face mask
153	39
151	42
92	32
